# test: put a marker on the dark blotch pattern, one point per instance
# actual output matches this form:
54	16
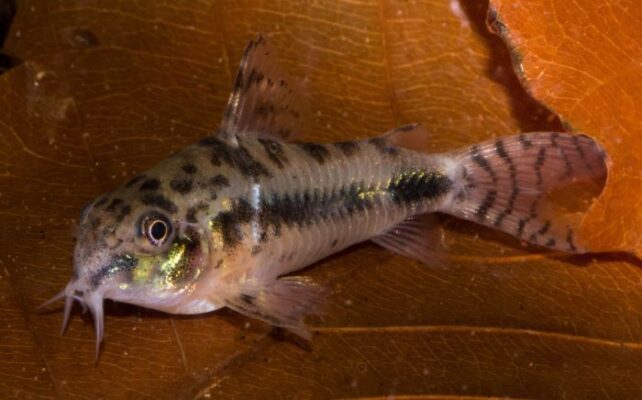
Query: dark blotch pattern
415	186
215	183
383	146
238	158
219	181
192	212
316	151
303	209
159	201
189	168
347	148
124	211
112	206
182	186
150	184
275	152
228	223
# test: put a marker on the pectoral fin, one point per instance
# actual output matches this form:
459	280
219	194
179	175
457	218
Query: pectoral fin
282	302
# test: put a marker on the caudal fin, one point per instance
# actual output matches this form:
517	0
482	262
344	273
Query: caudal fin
504	183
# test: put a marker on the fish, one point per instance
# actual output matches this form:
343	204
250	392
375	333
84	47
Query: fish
226	222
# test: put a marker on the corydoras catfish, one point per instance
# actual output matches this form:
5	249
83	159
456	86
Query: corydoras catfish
226	221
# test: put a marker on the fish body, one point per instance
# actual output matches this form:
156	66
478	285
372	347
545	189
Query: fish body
220	223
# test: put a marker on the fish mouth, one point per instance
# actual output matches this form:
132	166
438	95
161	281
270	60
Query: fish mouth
88	299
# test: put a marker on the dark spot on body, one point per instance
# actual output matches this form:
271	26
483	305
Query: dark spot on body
238	158
159	201
255	250
95	223
415	186
189	168
215	183
334	242
316	151
112	206
124	211
347	148
191	214
150	184
182	186
274	151
383	146
228	223
219	181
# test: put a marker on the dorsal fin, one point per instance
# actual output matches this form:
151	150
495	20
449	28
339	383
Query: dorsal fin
261	102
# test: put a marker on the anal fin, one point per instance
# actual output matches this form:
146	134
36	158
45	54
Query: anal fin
419	237
283	302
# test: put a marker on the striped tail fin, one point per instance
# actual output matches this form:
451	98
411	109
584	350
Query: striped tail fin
504	183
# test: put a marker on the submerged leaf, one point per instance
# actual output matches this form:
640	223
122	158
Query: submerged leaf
107	89
583	61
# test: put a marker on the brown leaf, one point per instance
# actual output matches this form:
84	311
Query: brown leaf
583	61
107	89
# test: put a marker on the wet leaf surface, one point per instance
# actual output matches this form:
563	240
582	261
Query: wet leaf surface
583	61
107	89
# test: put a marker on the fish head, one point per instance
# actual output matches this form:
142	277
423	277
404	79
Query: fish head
135	247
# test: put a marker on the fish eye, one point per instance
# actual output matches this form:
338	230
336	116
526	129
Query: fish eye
156	228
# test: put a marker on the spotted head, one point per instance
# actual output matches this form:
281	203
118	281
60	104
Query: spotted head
139	244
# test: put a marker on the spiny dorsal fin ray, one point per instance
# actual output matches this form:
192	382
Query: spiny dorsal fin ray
262	100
